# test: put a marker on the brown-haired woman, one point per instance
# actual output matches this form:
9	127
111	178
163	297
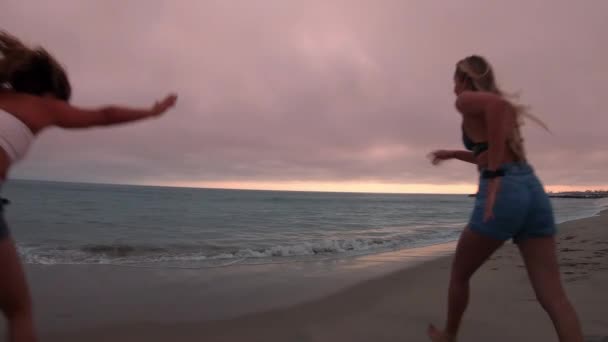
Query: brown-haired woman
34	95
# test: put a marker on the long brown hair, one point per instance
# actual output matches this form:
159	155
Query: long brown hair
479	73
31	70
476	71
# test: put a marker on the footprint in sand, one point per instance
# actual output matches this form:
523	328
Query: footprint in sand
569	280
569	237
570	250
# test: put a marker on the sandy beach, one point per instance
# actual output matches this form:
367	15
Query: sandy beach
395	303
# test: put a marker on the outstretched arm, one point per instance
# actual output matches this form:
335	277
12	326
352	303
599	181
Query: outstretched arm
441	155
64	115
465	156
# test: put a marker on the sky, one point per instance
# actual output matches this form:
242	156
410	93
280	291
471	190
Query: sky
323	95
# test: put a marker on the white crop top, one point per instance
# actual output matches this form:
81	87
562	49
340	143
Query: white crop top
15	136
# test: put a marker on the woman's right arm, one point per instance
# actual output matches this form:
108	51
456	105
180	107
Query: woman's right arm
62	114
466	156
441	155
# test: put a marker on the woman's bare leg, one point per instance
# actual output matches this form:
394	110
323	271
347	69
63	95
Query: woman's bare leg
472	251
15	299
543	269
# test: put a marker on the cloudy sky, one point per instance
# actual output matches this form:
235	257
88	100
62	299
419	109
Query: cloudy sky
340	95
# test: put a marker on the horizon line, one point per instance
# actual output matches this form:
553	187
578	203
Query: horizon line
226	188
175	186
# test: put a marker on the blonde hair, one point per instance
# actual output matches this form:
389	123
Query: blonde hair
32	71
476	70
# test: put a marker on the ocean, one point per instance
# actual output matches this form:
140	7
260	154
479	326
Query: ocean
69	223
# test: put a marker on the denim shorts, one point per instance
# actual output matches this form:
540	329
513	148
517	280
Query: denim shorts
522	209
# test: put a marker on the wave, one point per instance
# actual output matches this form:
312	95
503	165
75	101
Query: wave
121	250
134	253
125	254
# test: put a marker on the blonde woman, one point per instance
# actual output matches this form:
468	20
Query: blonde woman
511	202
34	95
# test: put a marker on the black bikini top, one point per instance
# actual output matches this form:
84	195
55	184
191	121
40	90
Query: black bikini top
476	147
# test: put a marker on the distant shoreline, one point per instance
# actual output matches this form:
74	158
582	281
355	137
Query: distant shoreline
574	194
592	194
582	195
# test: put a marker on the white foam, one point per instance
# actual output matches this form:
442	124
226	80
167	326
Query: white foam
49	256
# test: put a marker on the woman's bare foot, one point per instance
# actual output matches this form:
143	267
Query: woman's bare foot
437	335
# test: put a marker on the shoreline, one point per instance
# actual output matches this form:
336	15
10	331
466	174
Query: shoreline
399	304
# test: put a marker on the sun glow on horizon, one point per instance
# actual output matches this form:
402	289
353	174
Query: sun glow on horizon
360	187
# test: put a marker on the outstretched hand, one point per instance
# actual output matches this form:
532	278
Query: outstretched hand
162	106
438	156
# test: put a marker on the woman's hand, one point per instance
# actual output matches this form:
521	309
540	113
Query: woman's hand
162	106
438	156
493	187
